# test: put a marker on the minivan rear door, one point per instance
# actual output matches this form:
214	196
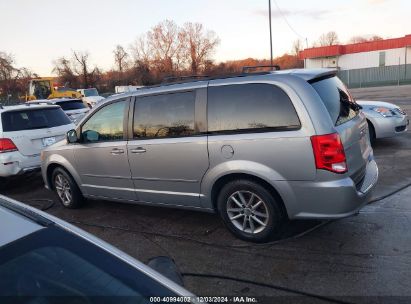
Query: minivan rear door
350	124
33	128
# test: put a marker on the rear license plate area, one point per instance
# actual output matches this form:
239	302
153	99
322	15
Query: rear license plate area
48	141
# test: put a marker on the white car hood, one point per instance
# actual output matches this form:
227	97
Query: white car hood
374	104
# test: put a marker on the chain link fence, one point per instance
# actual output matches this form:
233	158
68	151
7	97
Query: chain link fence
379	76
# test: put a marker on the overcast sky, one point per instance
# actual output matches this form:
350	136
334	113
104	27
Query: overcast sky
38	31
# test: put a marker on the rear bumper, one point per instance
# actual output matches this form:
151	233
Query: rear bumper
390	126
14	163
330	199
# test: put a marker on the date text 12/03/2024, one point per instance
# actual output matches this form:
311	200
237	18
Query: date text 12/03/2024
235	299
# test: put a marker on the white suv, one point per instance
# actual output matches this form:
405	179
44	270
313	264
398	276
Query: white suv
24	131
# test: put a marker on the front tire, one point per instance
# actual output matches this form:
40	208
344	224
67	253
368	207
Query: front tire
250	211
66	188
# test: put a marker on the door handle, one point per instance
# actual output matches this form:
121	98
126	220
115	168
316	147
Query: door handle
117	151
138	150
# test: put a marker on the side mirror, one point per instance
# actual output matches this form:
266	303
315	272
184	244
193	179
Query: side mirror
72	137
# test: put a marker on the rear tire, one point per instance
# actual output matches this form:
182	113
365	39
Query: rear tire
250	211
371	132
66	188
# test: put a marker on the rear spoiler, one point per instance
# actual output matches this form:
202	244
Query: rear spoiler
322	76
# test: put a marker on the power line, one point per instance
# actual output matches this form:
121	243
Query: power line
286	21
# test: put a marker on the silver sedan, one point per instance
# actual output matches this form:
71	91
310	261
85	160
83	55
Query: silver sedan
384	119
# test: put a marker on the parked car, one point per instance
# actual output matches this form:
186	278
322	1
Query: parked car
256	149
90	96
24	131
384	119
43	258
107	94
126	88
73	107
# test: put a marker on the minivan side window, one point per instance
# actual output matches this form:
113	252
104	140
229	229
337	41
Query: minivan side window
250	108
106	124
166	115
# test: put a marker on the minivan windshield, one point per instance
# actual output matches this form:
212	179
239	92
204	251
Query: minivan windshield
30	119
337	99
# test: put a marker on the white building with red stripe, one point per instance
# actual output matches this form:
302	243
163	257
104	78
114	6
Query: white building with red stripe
372	63
371	54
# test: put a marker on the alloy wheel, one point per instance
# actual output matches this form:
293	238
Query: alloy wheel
247	212
63	189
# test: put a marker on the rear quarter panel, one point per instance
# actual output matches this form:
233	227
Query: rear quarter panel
275	157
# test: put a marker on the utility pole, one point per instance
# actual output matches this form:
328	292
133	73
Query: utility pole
271	35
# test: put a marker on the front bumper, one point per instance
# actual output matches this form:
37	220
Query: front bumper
390	126
330	199
14	163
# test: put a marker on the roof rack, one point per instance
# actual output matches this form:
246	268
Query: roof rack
184	79
246	69
170	79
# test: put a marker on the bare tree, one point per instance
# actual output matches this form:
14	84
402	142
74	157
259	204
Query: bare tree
7	70
163	40
197	44
13	80
357	39
375	38
120	57
141	51
297	47
327	39
8	74
81	66
64	69
367	38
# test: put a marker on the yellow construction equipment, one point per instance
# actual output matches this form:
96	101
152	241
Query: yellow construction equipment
45	88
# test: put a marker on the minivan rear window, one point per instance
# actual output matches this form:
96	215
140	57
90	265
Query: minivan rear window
71	105
337	99
30	119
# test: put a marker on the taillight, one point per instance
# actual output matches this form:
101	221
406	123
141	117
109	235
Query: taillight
329	153
7	145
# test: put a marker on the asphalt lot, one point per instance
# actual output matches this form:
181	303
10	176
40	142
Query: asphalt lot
361	259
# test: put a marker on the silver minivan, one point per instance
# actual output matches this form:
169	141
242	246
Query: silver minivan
255	148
